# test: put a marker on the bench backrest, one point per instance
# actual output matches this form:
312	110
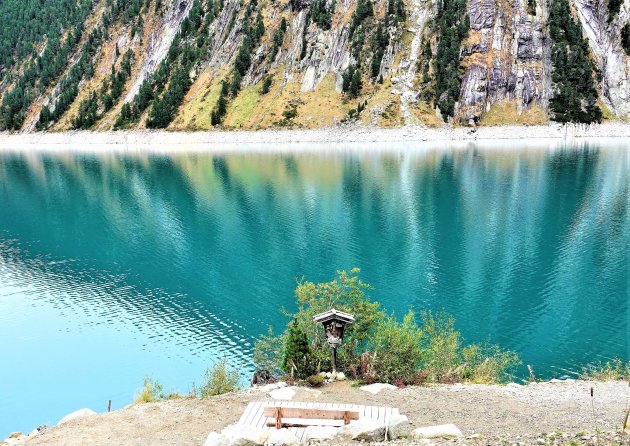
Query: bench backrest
310	412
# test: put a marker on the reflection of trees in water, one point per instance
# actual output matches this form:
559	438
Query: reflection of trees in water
526	247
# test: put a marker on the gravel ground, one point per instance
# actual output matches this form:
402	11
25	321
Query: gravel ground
538	413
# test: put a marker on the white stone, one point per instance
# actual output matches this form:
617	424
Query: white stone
395	80
440	431
309	79
216	439
245	435
320	433
281	437
76	414
377	387
398	426
340	376
366	429
284	393
269	387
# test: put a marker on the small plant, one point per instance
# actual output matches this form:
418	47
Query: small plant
289	114
315	380
615	370
151	391
266	85
219	380
354	113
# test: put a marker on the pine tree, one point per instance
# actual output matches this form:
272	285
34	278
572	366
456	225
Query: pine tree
574	93
355	84
235	85
625	38
297	353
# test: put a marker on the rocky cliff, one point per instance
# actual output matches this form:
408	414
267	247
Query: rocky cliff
312	63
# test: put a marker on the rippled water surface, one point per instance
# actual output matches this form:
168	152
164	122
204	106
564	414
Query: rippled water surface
113	267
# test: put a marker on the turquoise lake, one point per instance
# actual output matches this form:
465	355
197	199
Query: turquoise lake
118	266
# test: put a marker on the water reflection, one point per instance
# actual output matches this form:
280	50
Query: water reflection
115	266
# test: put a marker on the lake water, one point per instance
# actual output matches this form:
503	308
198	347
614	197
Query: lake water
114	267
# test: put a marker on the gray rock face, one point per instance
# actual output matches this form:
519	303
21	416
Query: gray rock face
610	58
160	41
504	59
482	13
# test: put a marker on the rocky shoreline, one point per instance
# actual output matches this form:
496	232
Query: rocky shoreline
550	413
284	140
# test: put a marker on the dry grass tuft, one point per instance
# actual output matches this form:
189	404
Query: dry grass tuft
506	113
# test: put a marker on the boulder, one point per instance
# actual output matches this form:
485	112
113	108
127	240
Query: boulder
340	376
398	426
15	435
441	431
244	435
320	433
216	439
364	429
377	387
284	393
262	377
81	413
281	437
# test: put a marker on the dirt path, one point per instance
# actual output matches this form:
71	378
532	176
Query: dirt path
496	412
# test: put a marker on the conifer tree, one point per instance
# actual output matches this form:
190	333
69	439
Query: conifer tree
297	353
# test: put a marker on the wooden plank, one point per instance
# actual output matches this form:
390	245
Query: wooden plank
258	420
301	422
246	414
310	412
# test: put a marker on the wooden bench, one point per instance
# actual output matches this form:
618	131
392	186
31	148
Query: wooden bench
308	416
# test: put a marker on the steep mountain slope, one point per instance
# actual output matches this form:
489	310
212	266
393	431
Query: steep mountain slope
198	64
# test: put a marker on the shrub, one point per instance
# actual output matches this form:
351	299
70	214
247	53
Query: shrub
441	345
615	370
378	347
345	293
315	380
397	353
488	364
219	380
151	391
